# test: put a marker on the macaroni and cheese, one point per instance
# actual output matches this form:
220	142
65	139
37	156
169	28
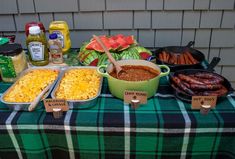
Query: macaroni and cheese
79	84
29	86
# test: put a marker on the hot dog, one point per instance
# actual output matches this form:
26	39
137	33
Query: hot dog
190	57
177	58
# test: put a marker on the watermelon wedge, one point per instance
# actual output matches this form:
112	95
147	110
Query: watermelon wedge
94	45
144	55
143	52
94	62
88	57
114	45
130	39
117	42
119	36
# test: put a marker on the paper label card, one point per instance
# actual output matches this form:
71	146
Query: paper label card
199	101
133	96
51	104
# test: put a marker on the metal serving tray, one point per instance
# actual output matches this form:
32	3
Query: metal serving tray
78	104
24	106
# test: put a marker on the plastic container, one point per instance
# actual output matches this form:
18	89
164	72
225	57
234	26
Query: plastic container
12	61
55	49
30	24
37	47
62	30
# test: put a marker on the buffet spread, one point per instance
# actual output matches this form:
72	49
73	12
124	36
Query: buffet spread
156	121
81	85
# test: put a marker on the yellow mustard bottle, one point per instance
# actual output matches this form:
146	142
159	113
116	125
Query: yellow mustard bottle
62	30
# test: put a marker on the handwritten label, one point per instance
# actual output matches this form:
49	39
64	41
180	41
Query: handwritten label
198	101
140	96
51	104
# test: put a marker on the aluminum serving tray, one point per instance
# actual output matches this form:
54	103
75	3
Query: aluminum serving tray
24	106
78	104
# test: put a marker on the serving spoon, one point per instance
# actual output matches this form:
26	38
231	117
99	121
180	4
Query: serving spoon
34	103
118	68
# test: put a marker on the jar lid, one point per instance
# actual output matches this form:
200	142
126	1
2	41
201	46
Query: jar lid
10	49
3	40
34	30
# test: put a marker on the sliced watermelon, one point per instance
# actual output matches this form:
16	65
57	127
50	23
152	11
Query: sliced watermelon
130	54
143	52
117	42
130	39
91	45
94	45
103	60
100	36
94	62
87	57
123	47
114	45
121	41
119	36
144	55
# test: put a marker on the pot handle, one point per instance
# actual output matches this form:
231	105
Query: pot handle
190	44
102	73
164	73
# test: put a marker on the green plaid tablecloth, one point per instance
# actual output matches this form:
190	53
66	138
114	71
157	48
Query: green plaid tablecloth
163	128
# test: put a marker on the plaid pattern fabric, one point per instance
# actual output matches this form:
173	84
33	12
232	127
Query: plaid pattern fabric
163	128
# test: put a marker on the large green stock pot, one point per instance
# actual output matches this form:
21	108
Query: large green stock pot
117	87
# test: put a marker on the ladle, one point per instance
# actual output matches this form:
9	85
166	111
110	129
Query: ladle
118	68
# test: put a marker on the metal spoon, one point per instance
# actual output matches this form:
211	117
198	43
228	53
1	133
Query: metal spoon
112	60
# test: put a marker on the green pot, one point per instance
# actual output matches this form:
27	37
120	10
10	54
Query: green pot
117	87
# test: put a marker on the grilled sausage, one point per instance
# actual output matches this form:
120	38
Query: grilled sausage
189	79
205	86
178	82
207	81
222	91
208	76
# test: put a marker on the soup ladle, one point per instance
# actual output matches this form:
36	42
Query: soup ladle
118	68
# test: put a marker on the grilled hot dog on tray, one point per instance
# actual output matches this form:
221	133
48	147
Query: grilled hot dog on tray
184	58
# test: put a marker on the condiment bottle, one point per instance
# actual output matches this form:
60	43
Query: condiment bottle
62	30
12	61
55	49
37	47
30	24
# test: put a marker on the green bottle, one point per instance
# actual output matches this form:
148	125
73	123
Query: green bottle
37	47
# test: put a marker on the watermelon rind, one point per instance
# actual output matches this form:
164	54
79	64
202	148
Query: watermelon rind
130	54
142	49
103	60
87	56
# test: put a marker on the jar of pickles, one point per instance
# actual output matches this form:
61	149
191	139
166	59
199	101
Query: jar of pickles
12	61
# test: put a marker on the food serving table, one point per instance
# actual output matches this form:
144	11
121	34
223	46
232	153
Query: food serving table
163	128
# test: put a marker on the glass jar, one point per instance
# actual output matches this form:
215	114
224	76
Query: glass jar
12	61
